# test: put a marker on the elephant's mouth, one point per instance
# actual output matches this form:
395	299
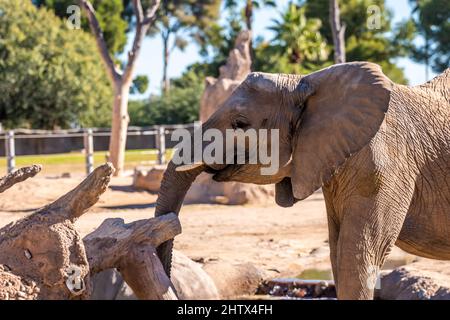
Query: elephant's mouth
224	174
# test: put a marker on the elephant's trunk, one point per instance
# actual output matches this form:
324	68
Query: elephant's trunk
174	187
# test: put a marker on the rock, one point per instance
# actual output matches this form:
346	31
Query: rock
107	285
230	77
188	277
190	280
234	280
148	179
423	280
206	190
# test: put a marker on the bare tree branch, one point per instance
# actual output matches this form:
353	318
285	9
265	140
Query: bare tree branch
100	40
18	176
142	26
150	14
138	11
121	79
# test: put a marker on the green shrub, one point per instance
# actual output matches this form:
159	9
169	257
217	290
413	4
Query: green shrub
50	76
180	105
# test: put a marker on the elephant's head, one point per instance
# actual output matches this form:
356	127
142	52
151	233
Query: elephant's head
323	118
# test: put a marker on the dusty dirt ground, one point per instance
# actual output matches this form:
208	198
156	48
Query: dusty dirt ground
284	242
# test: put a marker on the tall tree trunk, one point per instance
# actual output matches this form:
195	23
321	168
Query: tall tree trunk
119	127
338	32
249	23
166	56
121	81
427	57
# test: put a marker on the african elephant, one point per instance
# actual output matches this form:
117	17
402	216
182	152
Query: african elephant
380	151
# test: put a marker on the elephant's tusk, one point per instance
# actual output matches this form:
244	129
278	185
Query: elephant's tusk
188	167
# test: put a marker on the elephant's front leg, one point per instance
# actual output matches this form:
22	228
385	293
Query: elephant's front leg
367	233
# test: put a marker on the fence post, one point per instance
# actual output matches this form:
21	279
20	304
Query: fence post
197	125
89	150
161	144
10	151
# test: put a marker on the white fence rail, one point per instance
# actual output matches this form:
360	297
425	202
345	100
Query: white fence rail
88	135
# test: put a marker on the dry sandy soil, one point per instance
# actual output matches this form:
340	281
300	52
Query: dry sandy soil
284	242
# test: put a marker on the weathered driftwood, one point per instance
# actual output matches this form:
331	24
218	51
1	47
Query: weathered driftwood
43	254
131	249
18	176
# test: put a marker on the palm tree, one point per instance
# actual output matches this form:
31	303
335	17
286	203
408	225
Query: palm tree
298	40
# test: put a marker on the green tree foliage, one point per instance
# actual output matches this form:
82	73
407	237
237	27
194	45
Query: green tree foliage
303	39
110	15
216	42
249	8
115	19
180	106
432	22
49	75
363	40
297	47
140	84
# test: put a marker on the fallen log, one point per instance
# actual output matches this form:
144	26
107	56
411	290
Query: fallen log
43	256
44	248
130	248
18	176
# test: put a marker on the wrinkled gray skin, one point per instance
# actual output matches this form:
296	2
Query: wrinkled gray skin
379	150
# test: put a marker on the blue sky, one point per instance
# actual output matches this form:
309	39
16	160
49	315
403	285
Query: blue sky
150	59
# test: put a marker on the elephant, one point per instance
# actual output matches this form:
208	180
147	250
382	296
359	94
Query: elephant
380	151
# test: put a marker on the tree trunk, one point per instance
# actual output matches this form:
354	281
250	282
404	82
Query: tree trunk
166	56
121	80
338	32
249	14
427	57
249	23
119	126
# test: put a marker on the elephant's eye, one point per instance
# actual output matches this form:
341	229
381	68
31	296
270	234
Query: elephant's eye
239	124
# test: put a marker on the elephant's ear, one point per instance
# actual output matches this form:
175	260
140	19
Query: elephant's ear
341	117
